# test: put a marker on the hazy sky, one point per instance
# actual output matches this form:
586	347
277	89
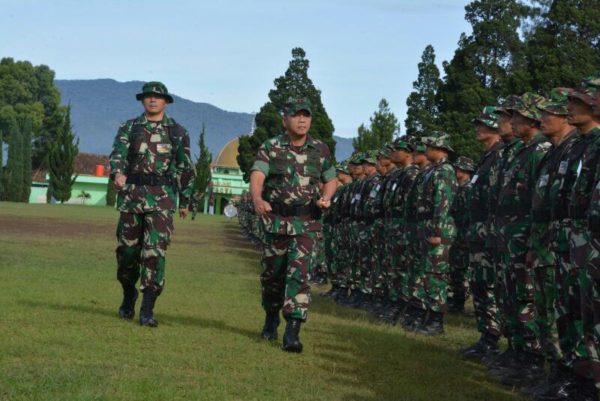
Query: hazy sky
228	53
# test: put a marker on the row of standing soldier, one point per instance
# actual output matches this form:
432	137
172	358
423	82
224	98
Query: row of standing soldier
521	227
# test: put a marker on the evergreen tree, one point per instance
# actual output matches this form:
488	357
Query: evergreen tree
61	160
384	126
14	165
294	83
26	133
488	64
202	169
564	45
422	113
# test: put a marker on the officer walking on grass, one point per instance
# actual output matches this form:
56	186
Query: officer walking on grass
285	189
151	167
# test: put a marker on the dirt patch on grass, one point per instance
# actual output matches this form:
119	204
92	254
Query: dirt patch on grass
52	226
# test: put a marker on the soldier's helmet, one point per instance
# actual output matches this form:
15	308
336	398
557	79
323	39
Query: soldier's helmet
556	102
489	117
155	88
527	106
295	104
439	140
465	163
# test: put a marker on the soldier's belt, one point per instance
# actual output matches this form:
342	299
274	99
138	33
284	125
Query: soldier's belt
149	179
288	211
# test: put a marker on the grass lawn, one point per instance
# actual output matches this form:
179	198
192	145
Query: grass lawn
61	339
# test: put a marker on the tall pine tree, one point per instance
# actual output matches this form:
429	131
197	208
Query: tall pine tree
202	169
294	83
384	126
26	134
61	160
422	114
14	164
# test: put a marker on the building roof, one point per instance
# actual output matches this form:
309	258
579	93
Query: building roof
85	164
228	155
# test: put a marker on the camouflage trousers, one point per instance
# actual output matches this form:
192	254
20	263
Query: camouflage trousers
458	289
366	237
410	263
356	236
380	278
395	257
342	256
142	245
319	259
483	288
286	263
585	256
430	276
520	311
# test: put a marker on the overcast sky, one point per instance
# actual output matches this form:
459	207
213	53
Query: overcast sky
228	53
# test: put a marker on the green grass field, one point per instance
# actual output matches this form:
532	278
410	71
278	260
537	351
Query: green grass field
61	339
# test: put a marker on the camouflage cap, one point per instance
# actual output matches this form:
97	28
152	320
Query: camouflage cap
588	91
439	140
527	106
356	158
507	105
370	157
465	163
295	104
154	88
489	117
418	144
402	144
385	151
342	168
556	103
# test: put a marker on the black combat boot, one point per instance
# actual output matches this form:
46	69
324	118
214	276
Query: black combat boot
433	325
570	387
291	339
486	347
406	319
269	331
127	308
341	295
415	320
331	293
529	372
147	309
393	312
350	299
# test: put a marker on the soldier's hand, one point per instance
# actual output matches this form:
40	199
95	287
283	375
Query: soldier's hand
120	180
262	207
183	212
324	203
435	240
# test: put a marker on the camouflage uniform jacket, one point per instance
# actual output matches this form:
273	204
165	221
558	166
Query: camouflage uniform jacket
459	212
550	169
481	185
402	188
372	208
292	181
391	178
587	177
153	149
434	203
514	198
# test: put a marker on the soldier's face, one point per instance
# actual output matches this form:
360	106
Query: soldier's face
483	132
504	125
154	105
520	124
299	123
552	124
580	113
369	169
462	175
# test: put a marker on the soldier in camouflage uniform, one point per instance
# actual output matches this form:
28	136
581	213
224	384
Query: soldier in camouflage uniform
285	187
411	316
481	257
435	232
577	281
459	252
151	167
515	221
334	239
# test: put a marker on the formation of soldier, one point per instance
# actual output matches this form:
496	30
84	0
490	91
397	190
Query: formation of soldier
410	235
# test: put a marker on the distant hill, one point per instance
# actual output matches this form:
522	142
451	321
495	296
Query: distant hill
98	106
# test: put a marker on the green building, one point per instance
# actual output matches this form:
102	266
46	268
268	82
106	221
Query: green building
227	180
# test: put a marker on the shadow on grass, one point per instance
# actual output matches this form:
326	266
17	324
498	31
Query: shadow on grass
166	317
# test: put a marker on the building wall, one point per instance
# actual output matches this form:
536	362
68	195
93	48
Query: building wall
95	186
